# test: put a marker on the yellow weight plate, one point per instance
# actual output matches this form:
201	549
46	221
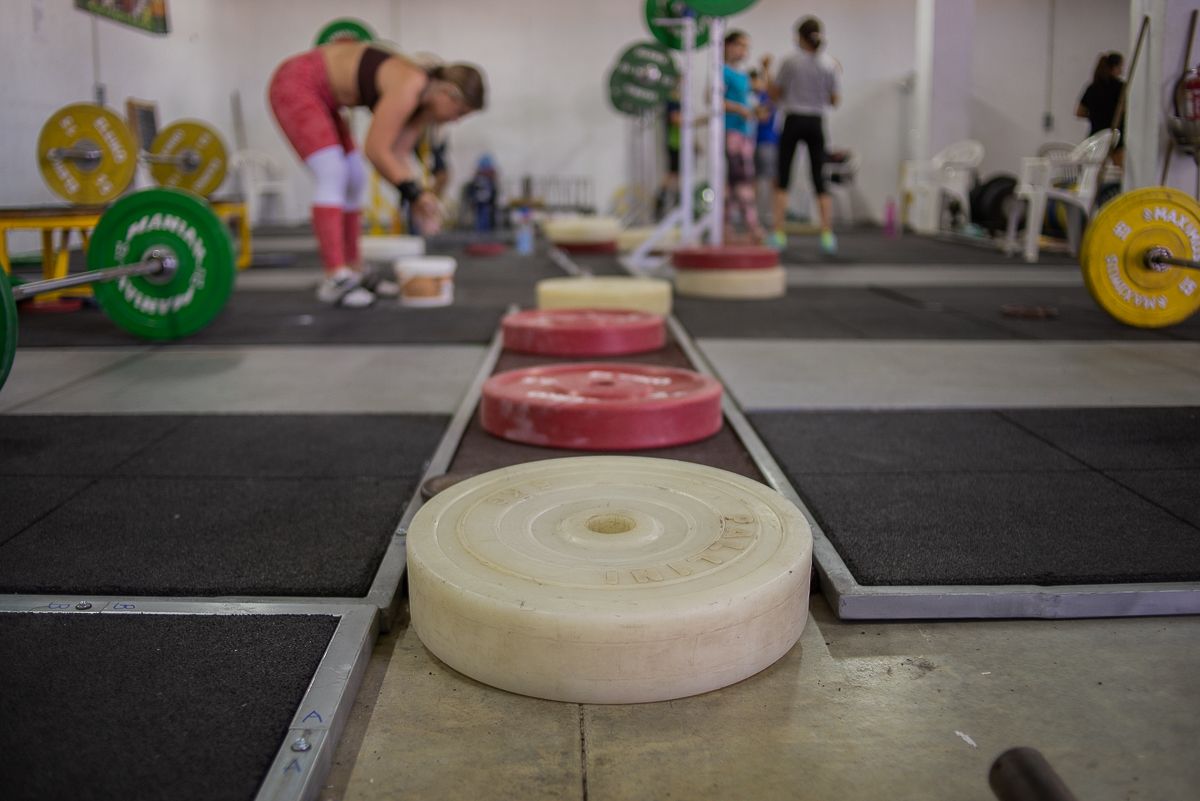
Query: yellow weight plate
188	155
86	154
1113	257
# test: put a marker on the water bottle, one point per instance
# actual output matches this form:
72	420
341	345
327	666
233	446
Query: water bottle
889	219
524	233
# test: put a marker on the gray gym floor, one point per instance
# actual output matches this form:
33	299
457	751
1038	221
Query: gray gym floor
856	710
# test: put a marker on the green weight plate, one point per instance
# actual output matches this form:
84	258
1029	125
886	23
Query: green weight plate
720	8
346	28
8	328
672	35
643	78
623	102
182	225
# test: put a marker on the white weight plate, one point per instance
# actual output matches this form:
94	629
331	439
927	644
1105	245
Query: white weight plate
651	295
582	230
390	248
609	579
631	239
732	284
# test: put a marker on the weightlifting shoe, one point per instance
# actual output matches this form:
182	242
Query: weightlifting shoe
344	288
828	243
379	283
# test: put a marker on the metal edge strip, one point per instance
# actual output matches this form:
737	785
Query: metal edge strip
832	570
853	601
385	588
305	757
565	262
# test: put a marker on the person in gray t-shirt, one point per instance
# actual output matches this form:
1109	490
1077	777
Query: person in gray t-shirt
805	86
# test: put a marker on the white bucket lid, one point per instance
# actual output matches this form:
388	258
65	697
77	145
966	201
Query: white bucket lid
425	267
389	248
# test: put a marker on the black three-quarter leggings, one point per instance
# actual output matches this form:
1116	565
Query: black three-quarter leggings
809	129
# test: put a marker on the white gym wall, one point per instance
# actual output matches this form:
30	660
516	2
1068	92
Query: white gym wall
547	63
1016	61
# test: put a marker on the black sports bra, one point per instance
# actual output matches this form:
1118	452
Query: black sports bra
368	66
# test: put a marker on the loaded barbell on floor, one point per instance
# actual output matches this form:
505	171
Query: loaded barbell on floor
1138	256
158	263
162	264
88	155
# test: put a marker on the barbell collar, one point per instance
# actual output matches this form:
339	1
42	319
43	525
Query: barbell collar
1159	258
188	159
156	263
75	154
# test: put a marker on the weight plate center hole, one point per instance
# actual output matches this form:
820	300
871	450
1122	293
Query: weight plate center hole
1154	255
91	158
611	524
169	265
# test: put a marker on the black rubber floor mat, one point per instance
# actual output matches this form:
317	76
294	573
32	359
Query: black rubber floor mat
868	245
291	505
484	288
186	707
1013	497
1077	317
286	317
914	313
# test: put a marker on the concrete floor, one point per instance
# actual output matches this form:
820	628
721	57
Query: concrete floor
854	711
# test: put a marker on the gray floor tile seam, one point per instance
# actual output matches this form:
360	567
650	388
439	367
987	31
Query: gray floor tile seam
1006	416
583	752
1107	473
1102	471
142	352
36	521
93	481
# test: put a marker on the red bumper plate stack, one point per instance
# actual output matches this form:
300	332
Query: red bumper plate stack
725	257
583	332
602	406
730	272
485	248
587	248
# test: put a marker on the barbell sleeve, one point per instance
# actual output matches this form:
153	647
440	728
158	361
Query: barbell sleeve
1176	262
150	266
188	159
75	153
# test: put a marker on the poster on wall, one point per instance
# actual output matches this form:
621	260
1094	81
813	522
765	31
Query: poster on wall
145	15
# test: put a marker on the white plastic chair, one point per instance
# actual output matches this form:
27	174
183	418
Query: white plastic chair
1037	186
259	177
932	185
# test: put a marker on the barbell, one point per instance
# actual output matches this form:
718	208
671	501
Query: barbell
1139	256
162	264
88	155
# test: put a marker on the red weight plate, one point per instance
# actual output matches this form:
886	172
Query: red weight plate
725	257
583	332
585	248
603	406
486	248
